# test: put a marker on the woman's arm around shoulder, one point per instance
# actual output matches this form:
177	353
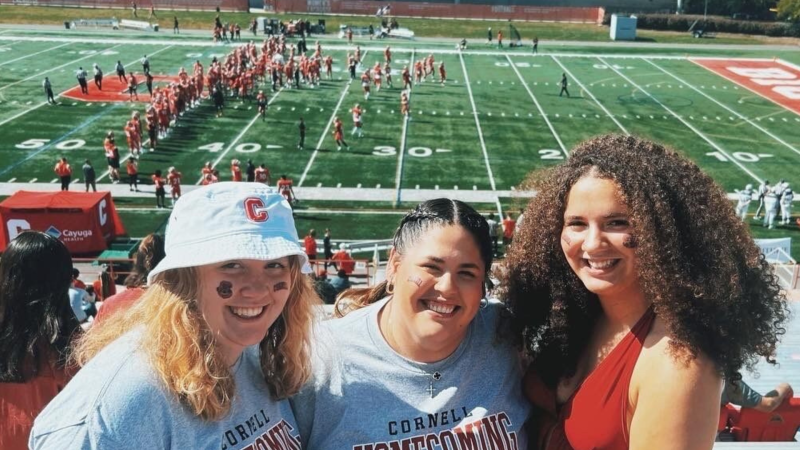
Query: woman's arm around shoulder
676	402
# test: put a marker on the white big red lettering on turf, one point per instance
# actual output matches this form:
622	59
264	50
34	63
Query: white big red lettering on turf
255	209
785	83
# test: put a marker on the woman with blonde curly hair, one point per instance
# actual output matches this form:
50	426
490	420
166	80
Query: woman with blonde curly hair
634	290
210	353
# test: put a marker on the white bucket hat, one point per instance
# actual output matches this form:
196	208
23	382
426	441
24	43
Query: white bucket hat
227	221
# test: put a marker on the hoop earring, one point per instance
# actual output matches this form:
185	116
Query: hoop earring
389	288
484	303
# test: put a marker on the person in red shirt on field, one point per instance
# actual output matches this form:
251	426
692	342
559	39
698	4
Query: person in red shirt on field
387	55
112	157
262	174
133	85
387	72
405	105
365	84
499	38
442	73
329	66
151	118
338	135
377	76
236	170
429	66
174	180
509	225
207	169
418	72
159	182
133	174
310	244
285	188
210	178
130	131
64	172
406	75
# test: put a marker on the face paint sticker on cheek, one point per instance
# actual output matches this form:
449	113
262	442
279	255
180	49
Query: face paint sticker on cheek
282	286
225	289
415	279
630	241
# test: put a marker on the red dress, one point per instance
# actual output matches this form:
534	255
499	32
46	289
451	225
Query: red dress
595	416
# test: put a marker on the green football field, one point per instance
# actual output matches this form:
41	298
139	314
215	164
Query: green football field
498	117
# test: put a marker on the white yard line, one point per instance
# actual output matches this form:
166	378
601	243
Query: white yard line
539	107
759	127
327	128
39	74
241	134
585	89
34	54
401	154
688	125
477	123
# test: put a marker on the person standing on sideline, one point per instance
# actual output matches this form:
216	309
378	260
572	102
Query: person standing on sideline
81	76
64	172
145	64
120	69
262	174
161	194
175	28
251	171
489	35
563	85
327	248
152	12
500	38
148	82
763	188
89	176
310	245
771	200
536	45
48	91
134	8
745	197
98	77
133	174
301	128
509	225
494	233
520	217
786	206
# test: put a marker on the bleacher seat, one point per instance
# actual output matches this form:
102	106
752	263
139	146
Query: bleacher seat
780	425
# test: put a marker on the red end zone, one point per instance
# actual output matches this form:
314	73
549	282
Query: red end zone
115	90
776	81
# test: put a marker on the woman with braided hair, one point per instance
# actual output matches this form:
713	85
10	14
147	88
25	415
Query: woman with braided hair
414	360
632	302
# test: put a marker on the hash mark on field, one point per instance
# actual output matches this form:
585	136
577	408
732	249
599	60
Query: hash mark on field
74	104
474	188
338	185
33	180
358	186
416	187
436	186
76	180
54	180
12	180
319	184
455	188
378	186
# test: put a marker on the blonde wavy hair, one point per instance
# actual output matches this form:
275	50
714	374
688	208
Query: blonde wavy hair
182	349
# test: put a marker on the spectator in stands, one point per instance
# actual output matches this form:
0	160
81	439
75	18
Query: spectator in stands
218	341
632	302
76	280
89	176
423	340
341	283
148	255
326	291
740	393
77	297
36	328
104	285
343	260
310	244
495	230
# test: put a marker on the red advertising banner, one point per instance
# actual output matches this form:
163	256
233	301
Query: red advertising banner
85	222
777	81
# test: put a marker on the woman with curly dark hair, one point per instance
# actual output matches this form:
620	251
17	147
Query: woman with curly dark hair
634	290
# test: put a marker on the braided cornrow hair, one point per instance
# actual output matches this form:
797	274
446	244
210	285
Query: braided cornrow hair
432	213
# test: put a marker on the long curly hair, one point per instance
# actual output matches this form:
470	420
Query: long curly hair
182	351
698	265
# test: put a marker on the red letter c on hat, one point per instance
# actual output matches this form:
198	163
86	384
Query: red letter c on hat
255	209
